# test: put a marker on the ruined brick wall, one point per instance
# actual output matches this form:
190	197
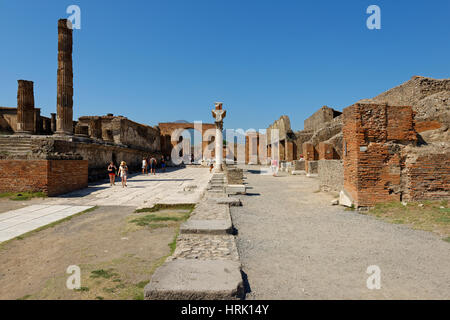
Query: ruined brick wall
331	175
372	153
300	138
319	118
53	177
427	174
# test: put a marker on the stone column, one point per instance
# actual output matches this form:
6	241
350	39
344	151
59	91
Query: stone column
218	115
53	122
25	107
64	111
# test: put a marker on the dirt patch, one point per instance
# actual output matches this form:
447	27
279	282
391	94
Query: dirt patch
116	256
7	204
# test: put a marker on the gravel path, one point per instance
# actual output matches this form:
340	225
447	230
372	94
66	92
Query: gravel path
294	245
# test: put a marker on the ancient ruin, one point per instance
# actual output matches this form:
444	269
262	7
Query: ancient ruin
64	108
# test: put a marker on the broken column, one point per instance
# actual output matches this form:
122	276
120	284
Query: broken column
64	124
218	115
25	107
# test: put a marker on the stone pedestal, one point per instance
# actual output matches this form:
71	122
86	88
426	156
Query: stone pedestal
25	107
64	124
218	115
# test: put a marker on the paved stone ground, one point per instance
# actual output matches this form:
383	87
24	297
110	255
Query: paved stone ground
173	186
294	245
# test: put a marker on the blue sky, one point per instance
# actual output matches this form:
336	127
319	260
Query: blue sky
159	61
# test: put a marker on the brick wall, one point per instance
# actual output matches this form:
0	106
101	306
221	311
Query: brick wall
326	151
50	176
428	177
372	153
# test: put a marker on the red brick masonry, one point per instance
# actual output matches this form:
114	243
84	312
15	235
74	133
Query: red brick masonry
53	177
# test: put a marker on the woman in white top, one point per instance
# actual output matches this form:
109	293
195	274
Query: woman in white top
144	166
123	172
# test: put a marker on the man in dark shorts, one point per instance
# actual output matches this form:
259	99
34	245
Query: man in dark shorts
153	163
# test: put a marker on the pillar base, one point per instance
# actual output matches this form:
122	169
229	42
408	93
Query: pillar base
218	168
62	133
23	133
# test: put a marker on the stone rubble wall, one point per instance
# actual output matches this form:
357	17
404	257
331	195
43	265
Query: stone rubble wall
331	175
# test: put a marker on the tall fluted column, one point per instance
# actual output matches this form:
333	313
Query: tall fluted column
25	107
64	105
218	115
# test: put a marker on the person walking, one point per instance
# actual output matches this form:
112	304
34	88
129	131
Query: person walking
163	164
274	166
123	172
112	173
153	163
144	166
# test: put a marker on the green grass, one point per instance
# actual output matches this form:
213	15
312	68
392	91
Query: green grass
159	207
25	297
20	196
81	289
426	215
101	273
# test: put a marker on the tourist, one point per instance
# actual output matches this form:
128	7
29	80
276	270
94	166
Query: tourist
163	164
123	172
112	173
153	163
192	158
274	166
211	166
144	166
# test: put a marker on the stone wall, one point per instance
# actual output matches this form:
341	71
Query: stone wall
320	118
52	177
331	175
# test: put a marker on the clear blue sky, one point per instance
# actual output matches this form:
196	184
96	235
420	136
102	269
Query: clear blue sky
158	61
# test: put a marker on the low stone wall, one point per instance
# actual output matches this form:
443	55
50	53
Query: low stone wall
331	175
311	167
52	177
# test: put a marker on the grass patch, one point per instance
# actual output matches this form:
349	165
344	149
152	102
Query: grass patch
159	207
25	297
81	289
19	196
446	239
431	216
101	273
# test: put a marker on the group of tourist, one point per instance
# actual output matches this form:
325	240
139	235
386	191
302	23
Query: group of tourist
147	163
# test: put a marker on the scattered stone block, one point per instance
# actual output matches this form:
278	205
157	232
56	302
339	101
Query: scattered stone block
235	189
216	226
188	279
335	202
344	199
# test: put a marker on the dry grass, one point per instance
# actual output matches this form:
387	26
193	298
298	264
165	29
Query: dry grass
431	216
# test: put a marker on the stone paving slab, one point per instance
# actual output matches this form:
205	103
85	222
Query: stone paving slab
17	222
223	226
191	279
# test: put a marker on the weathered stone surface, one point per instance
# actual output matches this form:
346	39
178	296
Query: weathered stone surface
205	247
64	114
234	202
331	175
25	107
298	172
344	199
190	279
236	189
210	226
